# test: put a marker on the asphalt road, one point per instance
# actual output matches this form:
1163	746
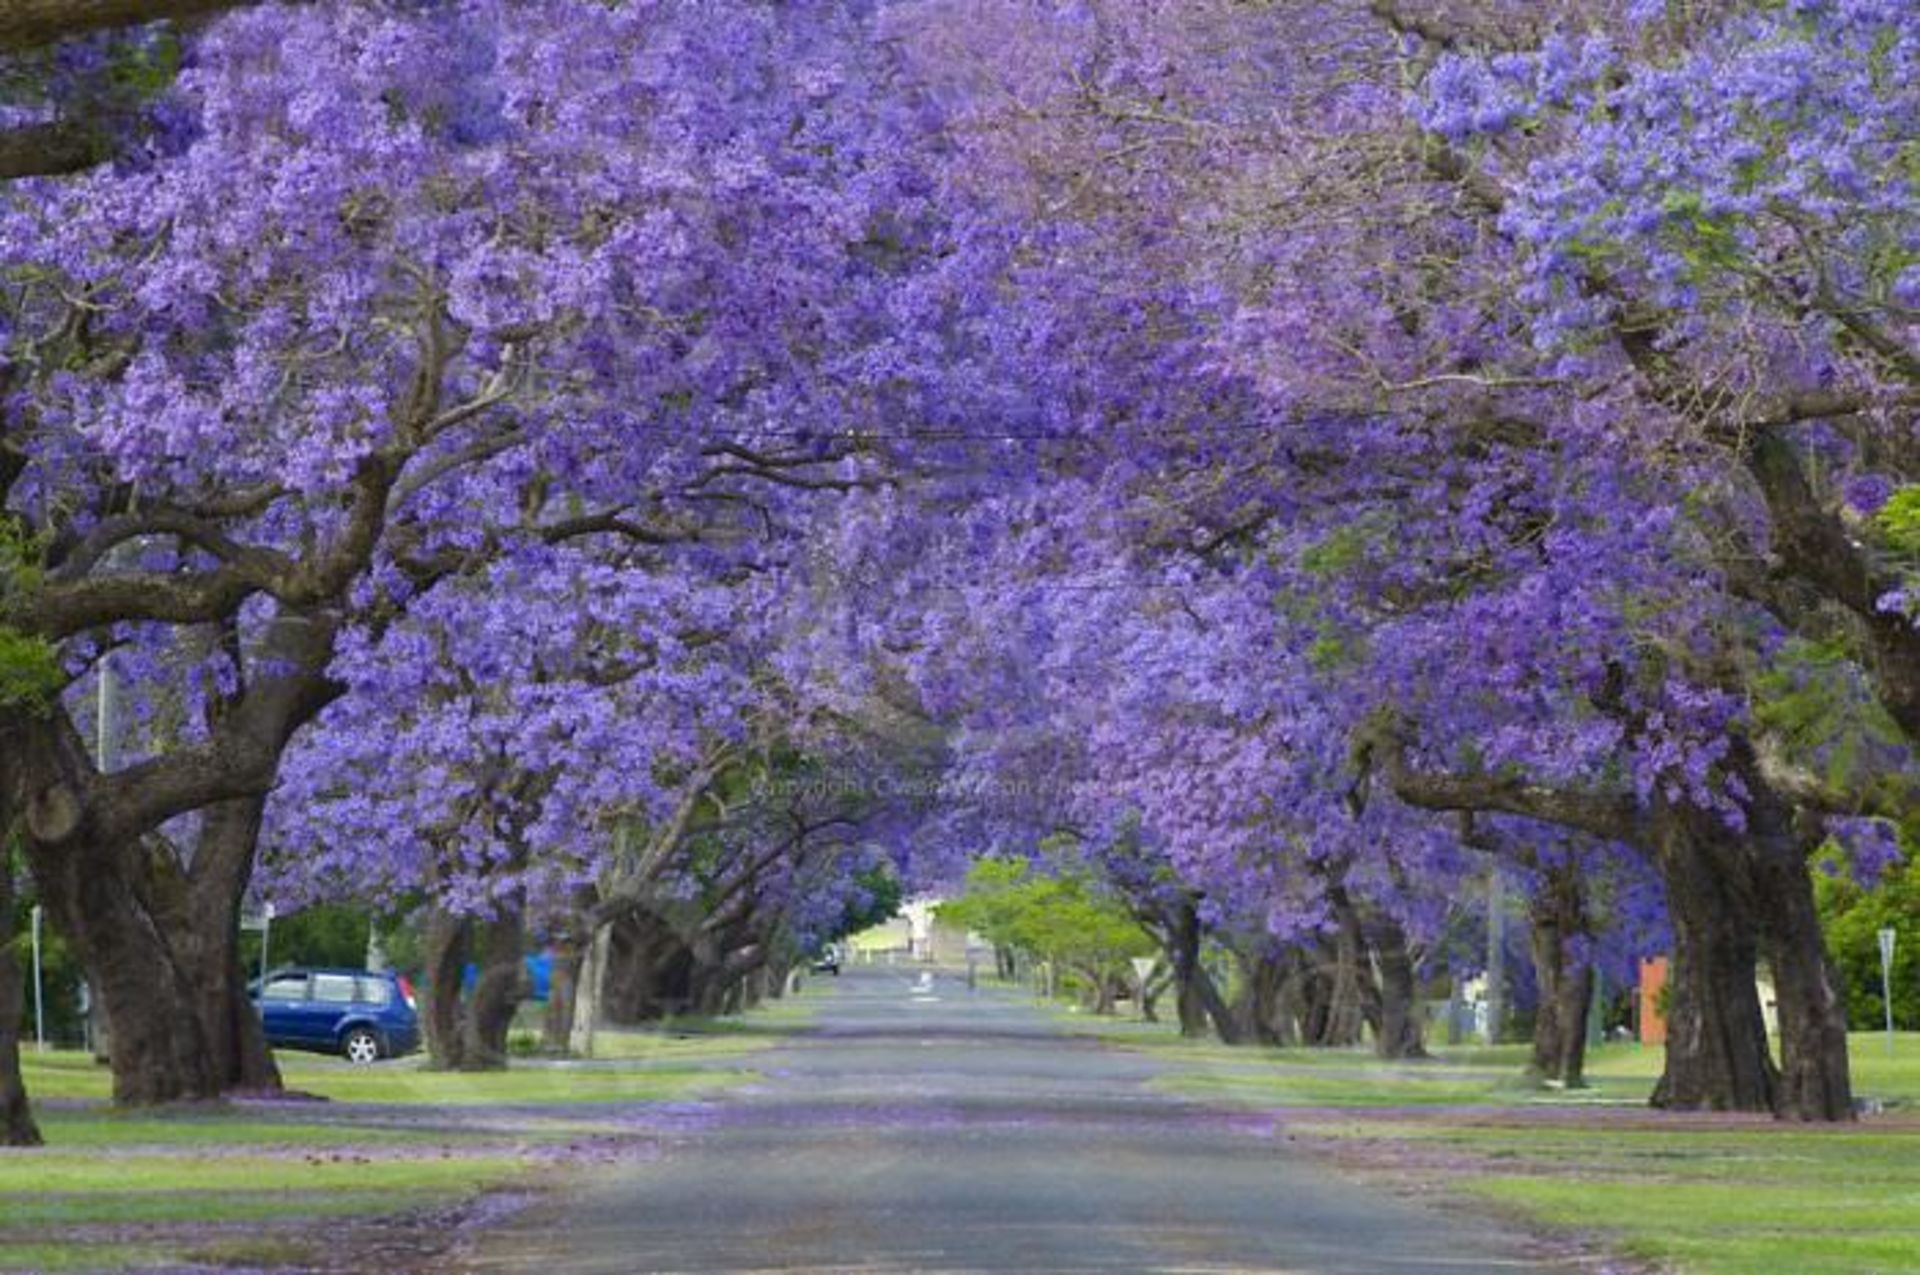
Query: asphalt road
928	1128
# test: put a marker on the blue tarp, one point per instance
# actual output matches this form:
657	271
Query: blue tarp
539	971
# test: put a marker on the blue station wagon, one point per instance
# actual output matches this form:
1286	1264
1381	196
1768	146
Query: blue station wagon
360	1015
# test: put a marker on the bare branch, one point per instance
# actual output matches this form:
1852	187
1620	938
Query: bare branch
48	150
1382	745
30	24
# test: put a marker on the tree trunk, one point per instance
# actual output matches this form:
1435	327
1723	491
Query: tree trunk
448	940
1261	1011
1350	979
1293	1004
114	918
158	937
735	974
497	993
1558	918
707	995
649	972
205	931
1157	984
707	983
1717	1055
1196	999
1726	889
563	991
589	993
1815	1073
1183	958
1400	1032
163	955
17	1128
1103	989
1315	994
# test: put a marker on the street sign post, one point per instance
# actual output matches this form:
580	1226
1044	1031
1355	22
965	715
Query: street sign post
263	922
1887	938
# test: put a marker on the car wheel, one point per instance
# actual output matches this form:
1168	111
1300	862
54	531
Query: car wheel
360	1046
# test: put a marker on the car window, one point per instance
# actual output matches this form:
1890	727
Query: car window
375	991
288	987
333	989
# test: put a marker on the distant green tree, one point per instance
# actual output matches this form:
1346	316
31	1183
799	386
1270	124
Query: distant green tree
1853	918
881	899
60	975
1065	918
326	934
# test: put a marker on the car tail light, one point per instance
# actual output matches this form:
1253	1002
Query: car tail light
406	991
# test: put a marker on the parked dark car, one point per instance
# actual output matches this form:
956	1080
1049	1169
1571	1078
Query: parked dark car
358	1014
827	962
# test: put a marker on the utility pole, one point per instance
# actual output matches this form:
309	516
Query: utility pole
1887	938
39	994
106	747
1496	953
376	951
266	941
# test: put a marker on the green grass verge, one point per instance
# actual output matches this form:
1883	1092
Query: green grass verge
60	1173
1752	1202
666	1070
148	1207
1468	1075
528	1083
29	1255
273	1171
1711	1196
409	1082
103	1127
1420	1089
1354	1078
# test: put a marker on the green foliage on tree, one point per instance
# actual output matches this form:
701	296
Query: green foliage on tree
883	897
329	934
30	672
1063	917
1899	521
30	675
1853	918
60	974
1814	706
991	901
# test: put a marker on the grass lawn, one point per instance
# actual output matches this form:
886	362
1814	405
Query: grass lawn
408	1081
1718	1196
251	1182
1456	1075
116	1190
661	1066
1715	1195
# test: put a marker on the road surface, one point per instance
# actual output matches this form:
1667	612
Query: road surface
923	1127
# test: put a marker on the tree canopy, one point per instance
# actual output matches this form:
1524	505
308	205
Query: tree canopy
634	475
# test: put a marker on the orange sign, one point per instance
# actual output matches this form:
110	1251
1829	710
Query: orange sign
1653	982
